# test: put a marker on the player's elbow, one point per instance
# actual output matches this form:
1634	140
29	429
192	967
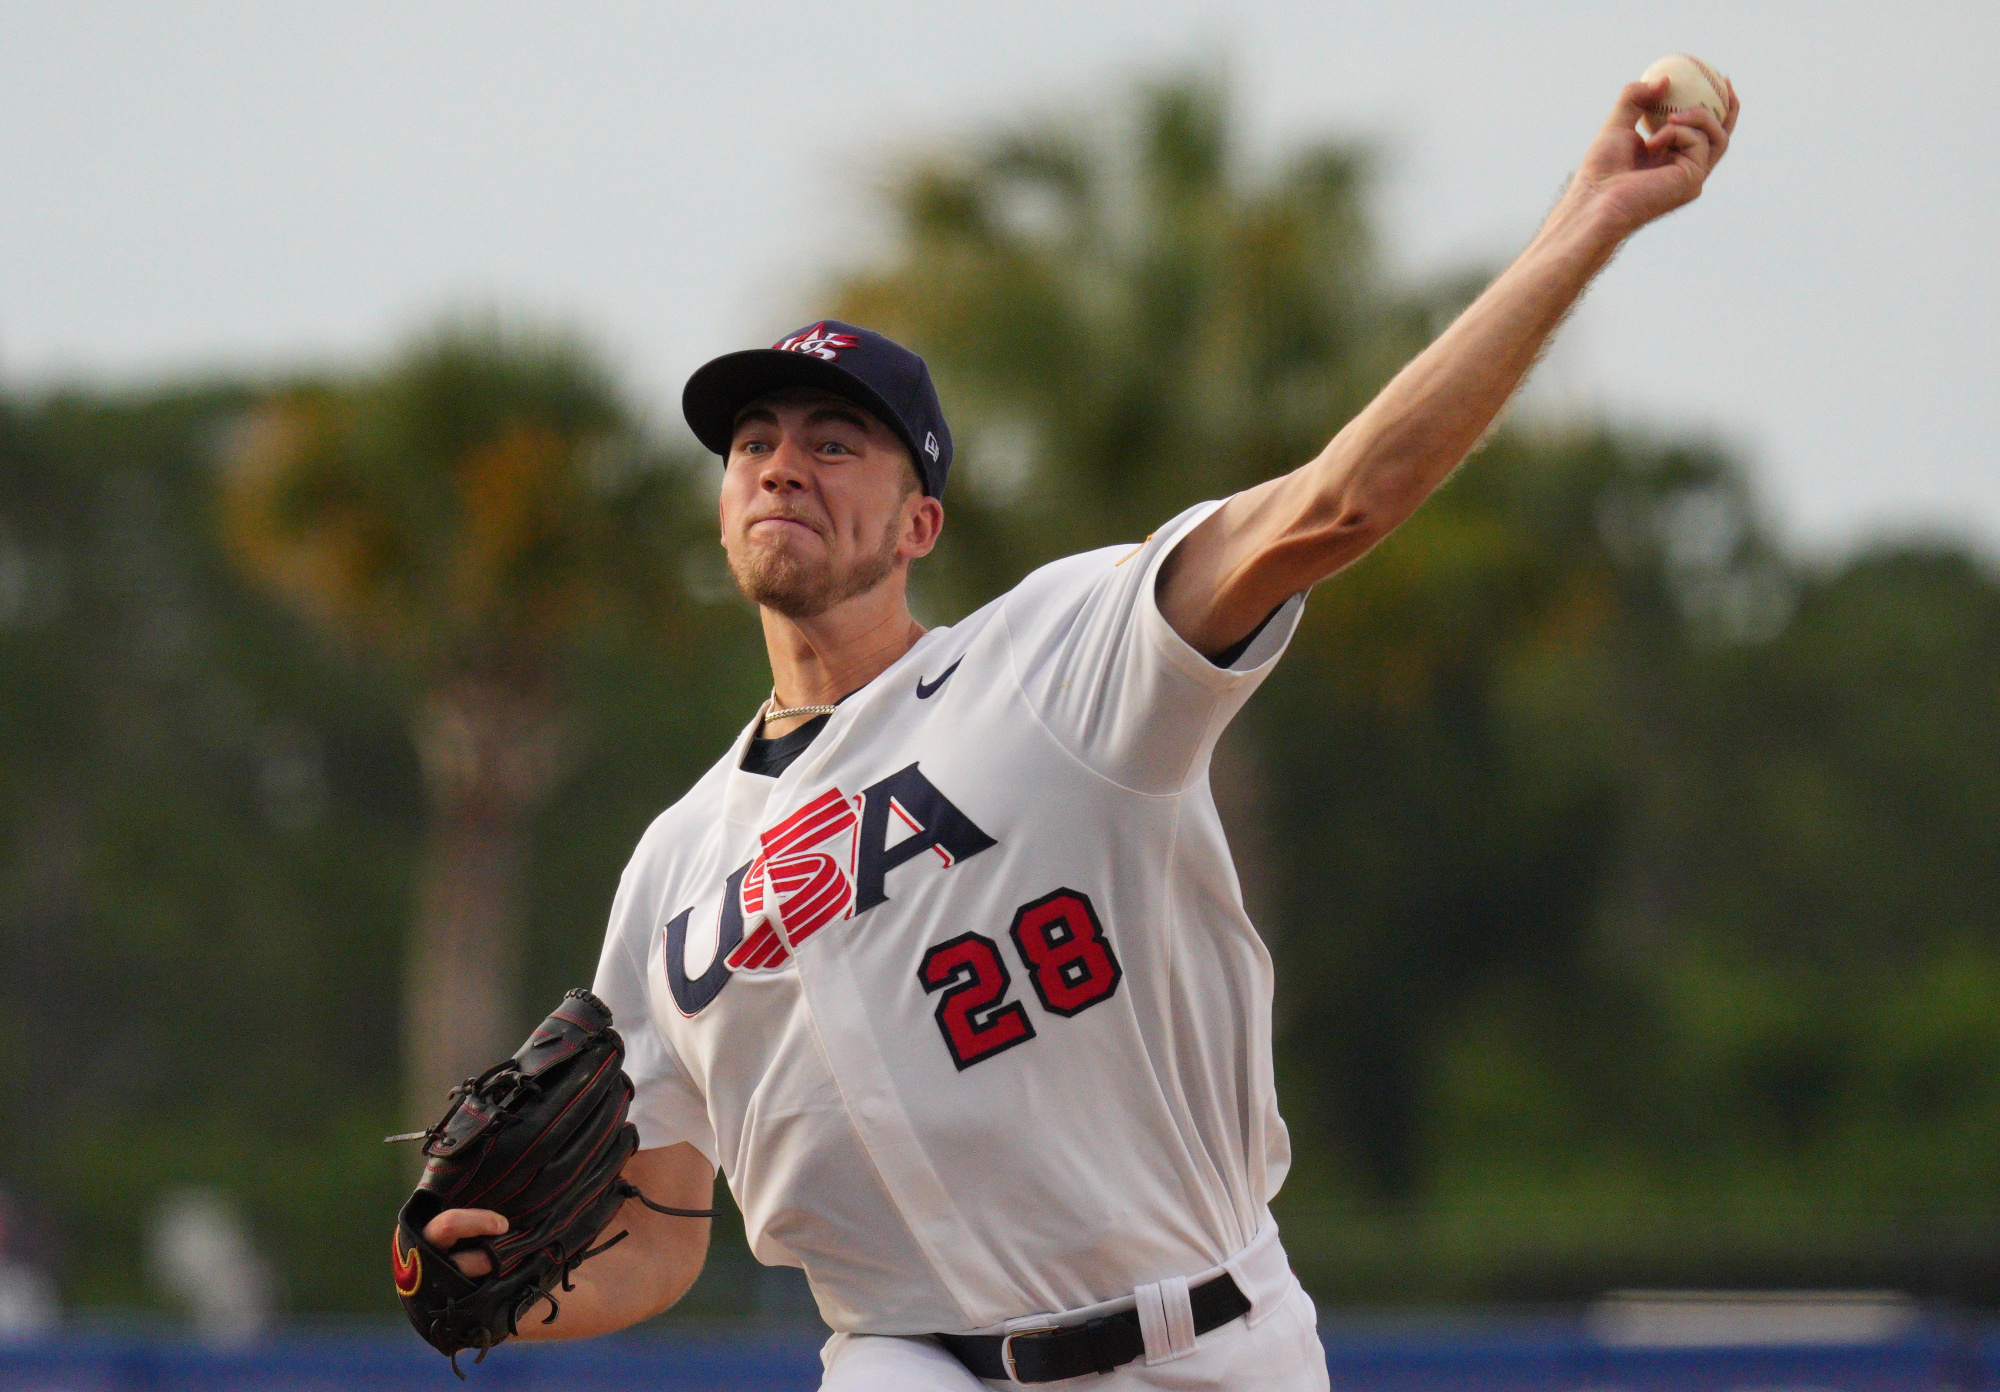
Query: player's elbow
1336	528
1362	489
1353	522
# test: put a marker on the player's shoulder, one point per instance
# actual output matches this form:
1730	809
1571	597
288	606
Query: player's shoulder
1069	578
1069	583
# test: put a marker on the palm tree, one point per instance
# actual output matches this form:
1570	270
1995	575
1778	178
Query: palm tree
461	520
1128	319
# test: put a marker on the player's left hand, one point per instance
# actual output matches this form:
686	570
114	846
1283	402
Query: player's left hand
1633	178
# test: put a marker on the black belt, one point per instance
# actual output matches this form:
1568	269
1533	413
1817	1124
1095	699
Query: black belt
1098	1346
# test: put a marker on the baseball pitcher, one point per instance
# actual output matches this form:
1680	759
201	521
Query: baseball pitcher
944	964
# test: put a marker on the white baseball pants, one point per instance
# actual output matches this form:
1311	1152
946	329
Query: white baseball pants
1276	1346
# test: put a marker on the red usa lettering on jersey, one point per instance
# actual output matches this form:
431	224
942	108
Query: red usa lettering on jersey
828	860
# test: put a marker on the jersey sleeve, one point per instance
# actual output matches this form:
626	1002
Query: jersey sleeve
1109	677
667	1107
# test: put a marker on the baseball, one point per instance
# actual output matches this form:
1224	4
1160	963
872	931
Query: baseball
1690	83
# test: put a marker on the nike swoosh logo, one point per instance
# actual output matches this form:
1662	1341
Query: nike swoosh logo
924	693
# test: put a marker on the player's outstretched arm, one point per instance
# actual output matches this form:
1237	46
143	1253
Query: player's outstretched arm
1279	538
637	1279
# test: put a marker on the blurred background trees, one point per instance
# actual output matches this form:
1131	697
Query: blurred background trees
467	519
1631	881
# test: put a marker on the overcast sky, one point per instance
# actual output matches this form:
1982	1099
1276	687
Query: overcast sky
190	186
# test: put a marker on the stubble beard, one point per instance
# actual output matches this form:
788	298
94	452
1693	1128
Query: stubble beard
802	587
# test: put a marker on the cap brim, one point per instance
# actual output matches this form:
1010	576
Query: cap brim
719	390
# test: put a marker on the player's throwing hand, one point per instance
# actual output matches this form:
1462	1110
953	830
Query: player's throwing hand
1636	178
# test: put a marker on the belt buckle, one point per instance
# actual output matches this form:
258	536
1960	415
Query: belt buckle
1007	1346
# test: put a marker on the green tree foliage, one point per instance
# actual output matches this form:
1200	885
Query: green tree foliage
206	829
466	518
212	827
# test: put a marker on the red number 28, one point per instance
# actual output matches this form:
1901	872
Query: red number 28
975	1023
1064	949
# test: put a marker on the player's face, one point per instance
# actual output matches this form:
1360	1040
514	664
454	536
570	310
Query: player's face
818	504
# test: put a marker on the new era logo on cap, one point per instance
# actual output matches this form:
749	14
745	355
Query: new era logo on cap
876	373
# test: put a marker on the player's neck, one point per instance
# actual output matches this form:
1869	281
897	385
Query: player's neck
817	661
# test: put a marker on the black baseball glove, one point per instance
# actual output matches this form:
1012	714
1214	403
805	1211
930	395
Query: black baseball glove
540	1138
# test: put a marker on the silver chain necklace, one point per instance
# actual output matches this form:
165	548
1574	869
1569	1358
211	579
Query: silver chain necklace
771	714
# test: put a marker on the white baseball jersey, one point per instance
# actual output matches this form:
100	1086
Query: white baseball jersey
964	1003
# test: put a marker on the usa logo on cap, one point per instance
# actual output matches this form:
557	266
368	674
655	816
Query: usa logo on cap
816	341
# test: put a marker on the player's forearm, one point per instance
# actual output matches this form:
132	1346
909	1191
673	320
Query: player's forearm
644	1275
1397	452
1287	535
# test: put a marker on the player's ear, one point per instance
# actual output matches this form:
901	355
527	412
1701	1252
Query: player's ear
923	523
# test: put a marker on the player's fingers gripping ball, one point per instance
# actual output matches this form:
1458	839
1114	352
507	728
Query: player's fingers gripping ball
1691	84
539	1138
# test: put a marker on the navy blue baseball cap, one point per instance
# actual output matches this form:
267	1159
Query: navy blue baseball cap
859	365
